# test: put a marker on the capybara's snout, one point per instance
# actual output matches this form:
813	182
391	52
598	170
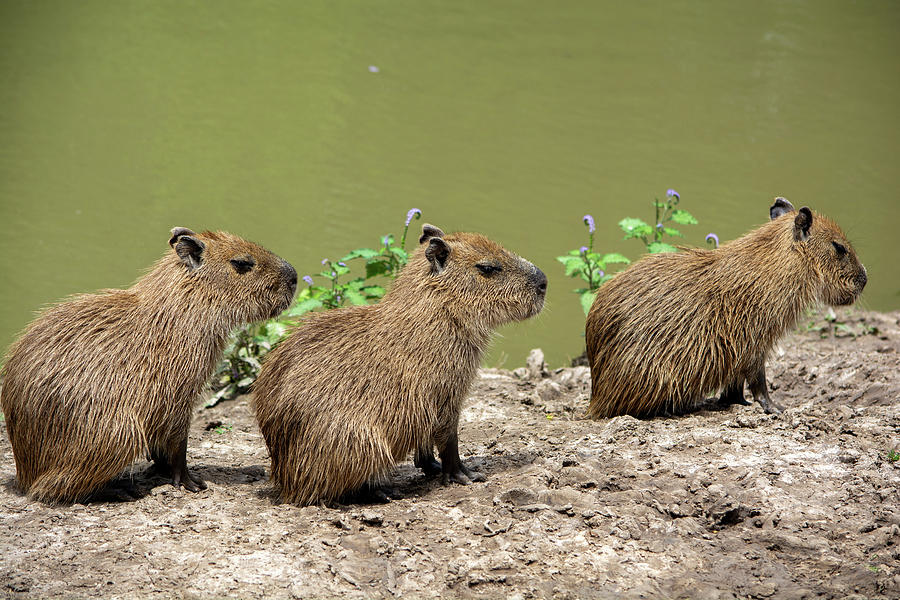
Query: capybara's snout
539	280
290	276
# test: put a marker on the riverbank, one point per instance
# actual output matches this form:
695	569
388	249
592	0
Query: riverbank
718	504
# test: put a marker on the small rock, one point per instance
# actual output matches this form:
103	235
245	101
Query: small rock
518	496
537	367
548	390
371	518
763	590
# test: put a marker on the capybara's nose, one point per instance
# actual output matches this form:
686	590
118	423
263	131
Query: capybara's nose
861	279
539	280
290	274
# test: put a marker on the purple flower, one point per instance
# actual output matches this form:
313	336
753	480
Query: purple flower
413	212
671	192
373	69
308	279
386	242
324	261
333	274
601	273
589	220
342	264
659	225
583	249
712	238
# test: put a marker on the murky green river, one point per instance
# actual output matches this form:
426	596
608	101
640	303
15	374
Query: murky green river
311	127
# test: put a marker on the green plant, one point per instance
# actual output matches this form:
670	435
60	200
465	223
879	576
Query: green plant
592	266
829	324
893	455
241	361
665	213
589	265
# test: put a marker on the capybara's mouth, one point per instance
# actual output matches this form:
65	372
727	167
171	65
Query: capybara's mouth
847	299
282	306
538	306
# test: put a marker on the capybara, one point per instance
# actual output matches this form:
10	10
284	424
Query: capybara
352	391
672	328
103	379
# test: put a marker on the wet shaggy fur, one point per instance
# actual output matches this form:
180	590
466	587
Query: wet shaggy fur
674	328
103	379
352	391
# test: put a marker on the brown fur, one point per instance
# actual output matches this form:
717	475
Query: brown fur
103	379
354	390
673	328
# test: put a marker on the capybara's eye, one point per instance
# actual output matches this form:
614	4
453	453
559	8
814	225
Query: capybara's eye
243	264
840	249
487	270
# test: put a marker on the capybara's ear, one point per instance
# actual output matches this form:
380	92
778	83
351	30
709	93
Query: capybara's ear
428	232
178	232
190	251
437	253
802	223
780	207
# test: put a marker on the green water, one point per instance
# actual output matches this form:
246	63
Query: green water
120	120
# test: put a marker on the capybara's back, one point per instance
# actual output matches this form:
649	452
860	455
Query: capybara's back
354	390
674	328
103	379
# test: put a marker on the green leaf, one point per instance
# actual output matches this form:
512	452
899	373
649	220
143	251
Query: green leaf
360	253
634	228
660	247
251	361
304	307
340	270
355	298
400	253
567	259
614	257
672	232
374	268
373	291
683	217
274	329
355	284
605	278
587	299
575	268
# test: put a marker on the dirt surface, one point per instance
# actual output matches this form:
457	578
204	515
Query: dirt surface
718	504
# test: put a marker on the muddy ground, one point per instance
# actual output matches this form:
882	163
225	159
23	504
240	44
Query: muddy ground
718	504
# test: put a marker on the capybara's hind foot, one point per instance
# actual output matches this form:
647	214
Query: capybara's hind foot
118	490
426	461
734	394
371	493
